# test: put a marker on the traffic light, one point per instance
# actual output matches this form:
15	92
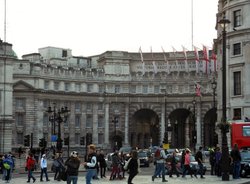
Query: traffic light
66	141
42	143
27	140
82	141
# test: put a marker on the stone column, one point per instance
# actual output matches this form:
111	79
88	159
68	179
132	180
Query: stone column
198	125
126	123
106	138
162	127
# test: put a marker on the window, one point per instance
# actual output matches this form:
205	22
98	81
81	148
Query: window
145	89
45	120
156	89
64	53
77	121
19	119
100	122
20	103
133	89
45	103
56	86
78	107
246	131
100	138
46	85
117	88
66	122
89	106
236	49
237	114
66	86
237	18
237	83
101	89
78	87
89	87
100	106
77	138
89	121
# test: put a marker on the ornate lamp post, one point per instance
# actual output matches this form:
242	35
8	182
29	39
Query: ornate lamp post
58	116
224	125
214	86
194	120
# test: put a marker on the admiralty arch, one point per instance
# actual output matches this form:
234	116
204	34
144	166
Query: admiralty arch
116	97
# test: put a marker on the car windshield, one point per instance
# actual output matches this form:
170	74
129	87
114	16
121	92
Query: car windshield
142	154
245	156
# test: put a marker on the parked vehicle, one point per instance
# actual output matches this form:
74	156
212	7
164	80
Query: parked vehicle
240	133
245	163
144	158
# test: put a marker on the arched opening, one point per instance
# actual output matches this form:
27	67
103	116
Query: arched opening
210	135
183	127
144	129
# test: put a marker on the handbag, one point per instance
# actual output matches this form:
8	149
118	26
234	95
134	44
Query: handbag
64	175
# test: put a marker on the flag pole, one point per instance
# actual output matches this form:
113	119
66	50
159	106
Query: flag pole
192	26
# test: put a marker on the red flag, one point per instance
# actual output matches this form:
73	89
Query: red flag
196	59
206	59
197	89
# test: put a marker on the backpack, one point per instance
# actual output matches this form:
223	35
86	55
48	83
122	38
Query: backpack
158	154
32	164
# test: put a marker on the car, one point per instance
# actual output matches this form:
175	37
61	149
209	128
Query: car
245	163
144	158
108	160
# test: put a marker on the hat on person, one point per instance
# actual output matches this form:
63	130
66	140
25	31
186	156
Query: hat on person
43	155
176	150
74	154
187	149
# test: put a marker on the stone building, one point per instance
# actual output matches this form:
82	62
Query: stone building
151	100
237	58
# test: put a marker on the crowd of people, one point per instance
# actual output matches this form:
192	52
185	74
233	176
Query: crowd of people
96	165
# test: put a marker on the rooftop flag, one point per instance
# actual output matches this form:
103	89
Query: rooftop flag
197	89
185	55
165	59
176	62
143	64
205	60
197	59
154	65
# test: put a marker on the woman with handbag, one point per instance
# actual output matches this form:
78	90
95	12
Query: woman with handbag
132	166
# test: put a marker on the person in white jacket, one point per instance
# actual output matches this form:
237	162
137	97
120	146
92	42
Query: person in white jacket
43	165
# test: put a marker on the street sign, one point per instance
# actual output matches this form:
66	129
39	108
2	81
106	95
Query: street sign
165	146
53	138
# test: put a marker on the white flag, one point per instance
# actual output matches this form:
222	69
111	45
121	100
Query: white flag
165	59
143	64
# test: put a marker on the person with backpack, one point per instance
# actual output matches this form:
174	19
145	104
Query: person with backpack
160	157
199	159
30	165
8	165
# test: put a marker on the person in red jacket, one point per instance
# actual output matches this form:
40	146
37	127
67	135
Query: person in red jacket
30	165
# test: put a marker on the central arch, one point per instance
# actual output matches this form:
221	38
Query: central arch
144	129
182	124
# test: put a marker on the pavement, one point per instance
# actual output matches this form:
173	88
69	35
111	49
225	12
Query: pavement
140	179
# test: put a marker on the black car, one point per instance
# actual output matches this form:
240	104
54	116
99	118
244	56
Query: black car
143	156
245	163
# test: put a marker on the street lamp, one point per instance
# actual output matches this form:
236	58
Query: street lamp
58	116
214	86
115	121
194	137
224	125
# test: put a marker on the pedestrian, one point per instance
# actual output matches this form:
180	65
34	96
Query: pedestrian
8	166
73	164
236	159
90	163
132	166
218	155
115	165
187	164
199	159
173	164
58	166
30	165
160	165
102	163
43	165
212	160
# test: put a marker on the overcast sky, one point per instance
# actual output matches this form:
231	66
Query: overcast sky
91	27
